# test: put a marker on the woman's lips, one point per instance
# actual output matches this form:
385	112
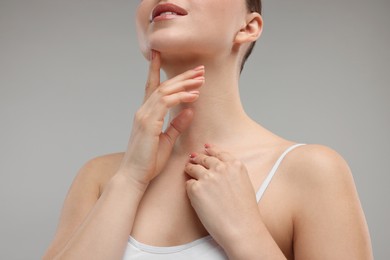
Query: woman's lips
167	11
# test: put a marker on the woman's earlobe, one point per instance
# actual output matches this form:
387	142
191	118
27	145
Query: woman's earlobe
252	29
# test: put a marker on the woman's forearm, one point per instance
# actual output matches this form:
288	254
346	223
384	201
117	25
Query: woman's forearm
254	242
104	233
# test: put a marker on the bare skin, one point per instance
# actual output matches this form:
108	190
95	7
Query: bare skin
310	211
287	210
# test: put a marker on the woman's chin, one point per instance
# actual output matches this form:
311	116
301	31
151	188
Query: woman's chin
174	55
178	45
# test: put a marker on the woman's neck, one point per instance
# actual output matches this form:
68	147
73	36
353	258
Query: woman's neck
218	113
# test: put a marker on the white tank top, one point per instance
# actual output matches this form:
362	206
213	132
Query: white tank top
204	248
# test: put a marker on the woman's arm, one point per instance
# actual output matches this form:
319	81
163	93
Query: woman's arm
100	226
329	222
93	227
222	195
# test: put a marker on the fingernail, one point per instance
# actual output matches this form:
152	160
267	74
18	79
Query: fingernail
192	155
207	146
194	92
201	67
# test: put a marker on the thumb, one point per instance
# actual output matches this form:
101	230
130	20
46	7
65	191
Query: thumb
167	139
178	125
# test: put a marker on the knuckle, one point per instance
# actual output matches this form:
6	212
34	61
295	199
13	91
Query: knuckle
189	167
194	187
161	91
204	160
237	164
208	175
219	154
220	167
139	116
164	101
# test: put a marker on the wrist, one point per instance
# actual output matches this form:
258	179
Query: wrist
137	175
121	179
254	242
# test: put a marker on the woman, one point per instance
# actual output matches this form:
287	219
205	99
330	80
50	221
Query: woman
207	205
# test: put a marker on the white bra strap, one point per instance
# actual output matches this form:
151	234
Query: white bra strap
268	179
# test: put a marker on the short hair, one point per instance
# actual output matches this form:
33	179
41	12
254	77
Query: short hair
252	6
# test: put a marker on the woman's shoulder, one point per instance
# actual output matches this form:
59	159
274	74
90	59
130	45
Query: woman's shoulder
103	162
100	169
316	160
316	163
318	171
326	210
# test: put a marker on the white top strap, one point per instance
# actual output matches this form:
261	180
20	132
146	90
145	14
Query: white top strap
271	174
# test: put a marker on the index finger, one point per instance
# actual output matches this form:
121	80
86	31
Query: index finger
221	155
153	80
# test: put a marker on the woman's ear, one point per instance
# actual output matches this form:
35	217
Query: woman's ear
251	31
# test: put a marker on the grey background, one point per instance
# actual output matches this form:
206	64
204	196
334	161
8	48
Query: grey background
71	78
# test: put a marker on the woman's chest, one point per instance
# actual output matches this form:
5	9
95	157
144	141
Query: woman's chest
165	216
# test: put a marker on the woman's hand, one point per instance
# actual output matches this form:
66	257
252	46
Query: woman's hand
222	195
149	147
